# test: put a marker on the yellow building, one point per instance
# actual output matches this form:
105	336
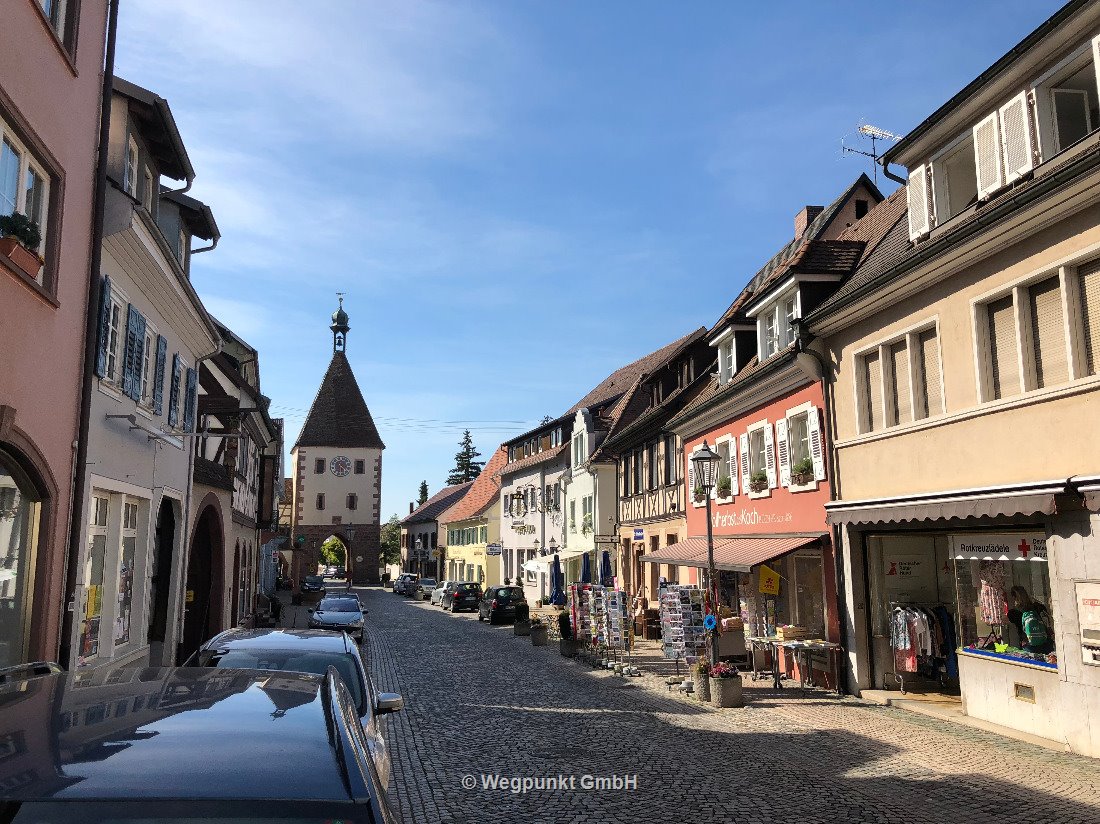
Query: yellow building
471	530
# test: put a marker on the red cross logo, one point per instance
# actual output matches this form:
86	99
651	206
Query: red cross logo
1024	547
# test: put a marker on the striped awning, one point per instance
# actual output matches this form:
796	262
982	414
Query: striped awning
1031	500
738	554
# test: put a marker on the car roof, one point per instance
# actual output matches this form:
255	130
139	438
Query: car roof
318	640
174	732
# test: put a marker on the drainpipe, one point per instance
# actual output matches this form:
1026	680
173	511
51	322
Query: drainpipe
804	340
886	171
91	332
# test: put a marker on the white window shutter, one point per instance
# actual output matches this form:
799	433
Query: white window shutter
920	218
1016	138
734	460
784	452
987	156
745	463
769	455
691	481
817	445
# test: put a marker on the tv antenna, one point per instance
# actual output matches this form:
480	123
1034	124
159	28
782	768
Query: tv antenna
876	134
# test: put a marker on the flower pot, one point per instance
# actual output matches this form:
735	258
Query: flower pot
567	647
540	636
758	487
702	686
801	478
25	259
521	628
726	692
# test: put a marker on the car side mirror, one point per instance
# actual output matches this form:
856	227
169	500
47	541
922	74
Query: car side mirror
388	702
310	611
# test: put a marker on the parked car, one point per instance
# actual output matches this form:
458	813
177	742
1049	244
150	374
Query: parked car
500	603
310	651
437	593
423	589
339	613
313	585
462	595
403	580
173	744
341	572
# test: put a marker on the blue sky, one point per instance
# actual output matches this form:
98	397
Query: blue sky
518	197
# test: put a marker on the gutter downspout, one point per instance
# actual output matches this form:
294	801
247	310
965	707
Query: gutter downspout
91	333
886	171
804	339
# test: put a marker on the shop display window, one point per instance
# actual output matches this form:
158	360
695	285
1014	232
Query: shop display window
20	514
799	602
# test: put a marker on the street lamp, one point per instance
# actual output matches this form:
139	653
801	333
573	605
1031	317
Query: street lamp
538	544
552	546
704	461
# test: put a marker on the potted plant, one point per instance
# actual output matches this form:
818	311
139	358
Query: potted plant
758	481
566	645
700	493
726	686
802	472
522	625
19	237
540	633
725	487
586	524
700	675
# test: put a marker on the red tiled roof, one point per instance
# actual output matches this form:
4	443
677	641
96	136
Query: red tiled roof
481	494
439	502
532	460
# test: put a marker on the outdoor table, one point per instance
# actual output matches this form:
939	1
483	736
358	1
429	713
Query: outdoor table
766	643
803	654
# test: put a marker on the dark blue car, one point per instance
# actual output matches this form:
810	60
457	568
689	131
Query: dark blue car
180	744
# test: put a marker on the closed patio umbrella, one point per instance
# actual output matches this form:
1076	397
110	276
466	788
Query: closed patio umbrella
586	569
607	578
557	583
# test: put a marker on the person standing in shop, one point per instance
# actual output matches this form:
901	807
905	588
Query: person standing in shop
1031	621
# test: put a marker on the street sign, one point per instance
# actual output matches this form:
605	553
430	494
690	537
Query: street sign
493	549
606	539
639	534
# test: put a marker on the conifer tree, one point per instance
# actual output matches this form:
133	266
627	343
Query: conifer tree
466	468
423	493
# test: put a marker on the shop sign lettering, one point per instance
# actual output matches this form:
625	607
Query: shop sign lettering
1021	546
750	517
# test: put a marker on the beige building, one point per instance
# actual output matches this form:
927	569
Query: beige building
964	395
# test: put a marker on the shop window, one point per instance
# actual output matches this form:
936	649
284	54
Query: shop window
20	515
126	573
92	611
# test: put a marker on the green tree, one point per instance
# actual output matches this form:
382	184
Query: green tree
466	468
391	541
423	495
332	552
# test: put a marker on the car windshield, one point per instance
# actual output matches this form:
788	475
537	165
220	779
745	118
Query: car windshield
428	582
314	579
468	587
288	660
508	594
339	605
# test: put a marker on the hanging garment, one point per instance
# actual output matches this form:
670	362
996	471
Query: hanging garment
991	598
947	623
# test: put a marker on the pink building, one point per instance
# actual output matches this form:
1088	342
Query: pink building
51	79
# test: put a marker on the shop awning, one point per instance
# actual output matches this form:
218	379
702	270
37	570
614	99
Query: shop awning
1034	500
738	554
540	561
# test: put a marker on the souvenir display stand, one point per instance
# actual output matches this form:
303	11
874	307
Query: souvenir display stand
683	636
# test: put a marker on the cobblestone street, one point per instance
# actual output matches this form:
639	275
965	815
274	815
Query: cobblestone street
481	702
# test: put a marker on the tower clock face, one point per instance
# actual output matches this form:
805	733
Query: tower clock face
340	466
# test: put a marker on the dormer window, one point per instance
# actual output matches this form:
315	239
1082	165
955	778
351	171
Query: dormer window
147	189
725	361
776	325
130	172
578	449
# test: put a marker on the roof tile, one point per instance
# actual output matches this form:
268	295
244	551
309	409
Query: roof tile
339	415
437	504
483	492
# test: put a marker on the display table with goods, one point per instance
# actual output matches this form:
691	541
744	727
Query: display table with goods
804	652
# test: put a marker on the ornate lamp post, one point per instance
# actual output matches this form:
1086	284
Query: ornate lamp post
705	462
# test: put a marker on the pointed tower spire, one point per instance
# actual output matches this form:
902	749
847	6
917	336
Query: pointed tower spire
340	326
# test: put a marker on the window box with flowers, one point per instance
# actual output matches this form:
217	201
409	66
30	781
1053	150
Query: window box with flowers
802	473
758	481
725	487
700	494
586	525
19	237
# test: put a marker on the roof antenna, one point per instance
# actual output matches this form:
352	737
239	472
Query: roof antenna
876	134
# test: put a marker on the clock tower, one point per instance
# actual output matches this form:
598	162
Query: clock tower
337	481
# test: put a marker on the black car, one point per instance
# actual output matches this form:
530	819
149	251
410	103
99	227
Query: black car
461	595
340	613
313	586
500	603
310	651
174	744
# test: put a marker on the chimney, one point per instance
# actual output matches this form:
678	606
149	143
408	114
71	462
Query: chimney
412	506
805	218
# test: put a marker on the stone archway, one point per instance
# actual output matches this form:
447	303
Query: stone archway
204	595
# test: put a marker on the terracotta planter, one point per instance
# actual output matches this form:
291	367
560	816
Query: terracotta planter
702	686
726	692
521	628
21	256
540	636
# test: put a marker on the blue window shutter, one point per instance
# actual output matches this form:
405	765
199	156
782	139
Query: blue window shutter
104	327
173	397
134	359
189	402
158	375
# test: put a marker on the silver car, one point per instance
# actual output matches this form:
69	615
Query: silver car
339	613
437	593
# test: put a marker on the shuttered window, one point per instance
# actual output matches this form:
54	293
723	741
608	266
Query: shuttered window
902	410
1048	333
872	412
1004	362
1089	277
930	373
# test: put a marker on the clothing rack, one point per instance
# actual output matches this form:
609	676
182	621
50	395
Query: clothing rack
937	663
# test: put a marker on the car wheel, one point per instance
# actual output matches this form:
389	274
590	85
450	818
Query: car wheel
480	617
453	609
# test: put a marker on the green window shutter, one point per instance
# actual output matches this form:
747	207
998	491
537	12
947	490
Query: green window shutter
158	375
135	354
104	327
174	392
